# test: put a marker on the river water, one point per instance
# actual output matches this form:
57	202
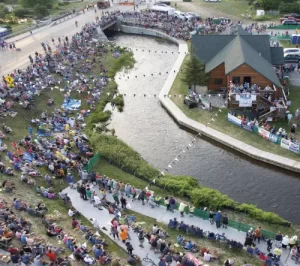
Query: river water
147	127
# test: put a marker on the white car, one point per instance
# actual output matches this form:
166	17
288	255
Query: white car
191	15
180	15
291	50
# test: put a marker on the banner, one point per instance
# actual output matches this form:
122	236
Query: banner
249	128
273	138
245	100
286	144
264	133
294	147
231	118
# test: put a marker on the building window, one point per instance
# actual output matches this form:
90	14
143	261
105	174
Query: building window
218	81
236	80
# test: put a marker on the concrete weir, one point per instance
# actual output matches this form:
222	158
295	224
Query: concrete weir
190	124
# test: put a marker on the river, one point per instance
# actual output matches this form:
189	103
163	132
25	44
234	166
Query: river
147	127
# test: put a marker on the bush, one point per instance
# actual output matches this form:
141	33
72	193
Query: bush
119	102
99	117
40	11
22	12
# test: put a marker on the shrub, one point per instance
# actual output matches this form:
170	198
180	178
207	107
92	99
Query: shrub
40	11
99	117
119	102
22	12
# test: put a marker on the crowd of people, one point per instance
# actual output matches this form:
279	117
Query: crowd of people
174	27
122	225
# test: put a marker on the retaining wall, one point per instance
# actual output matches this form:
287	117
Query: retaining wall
190	124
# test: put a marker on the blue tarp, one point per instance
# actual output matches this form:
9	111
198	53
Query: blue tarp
72	104
27	157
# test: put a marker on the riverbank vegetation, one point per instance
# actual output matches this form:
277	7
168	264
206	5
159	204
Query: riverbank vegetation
188	187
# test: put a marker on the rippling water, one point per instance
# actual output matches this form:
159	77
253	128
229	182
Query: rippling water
147	127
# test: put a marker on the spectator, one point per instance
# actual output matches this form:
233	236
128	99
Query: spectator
218	219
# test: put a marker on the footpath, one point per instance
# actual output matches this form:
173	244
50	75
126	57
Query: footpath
161	215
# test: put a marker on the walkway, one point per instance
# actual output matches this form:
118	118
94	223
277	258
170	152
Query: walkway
161	215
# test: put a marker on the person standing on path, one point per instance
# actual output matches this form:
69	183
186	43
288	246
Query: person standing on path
142	196
211	217
88	193
167	203
83	192
114	232
172	204
141	238
133	192
218	219
129	248
225	221
123	235
116	198
127	190
123	202
181	208
257	234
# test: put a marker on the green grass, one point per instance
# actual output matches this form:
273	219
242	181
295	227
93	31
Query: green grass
221	124
287	44
57	10
105	168
225	8
27	193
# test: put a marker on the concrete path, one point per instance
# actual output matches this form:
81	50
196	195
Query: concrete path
161	215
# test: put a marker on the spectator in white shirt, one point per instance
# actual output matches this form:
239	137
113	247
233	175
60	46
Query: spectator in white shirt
97	202
207	256
71	213
87	259
94	222
155	229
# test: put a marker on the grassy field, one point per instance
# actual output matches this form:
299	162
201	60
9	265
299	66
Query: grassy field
221	123
105	168
27	193
227	8
57	9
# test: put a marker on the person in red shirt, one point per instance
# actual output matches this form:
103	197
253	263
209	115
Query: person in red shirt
75	223
51	255
13	250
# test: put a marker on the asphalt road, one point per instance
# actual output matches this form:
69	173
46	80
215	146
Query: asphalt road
29	44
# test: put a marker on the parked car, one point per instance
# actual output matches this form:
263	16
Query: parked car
163	3
191	15
8	27
292	58
180	15
160	4
295	15
289	22
291	51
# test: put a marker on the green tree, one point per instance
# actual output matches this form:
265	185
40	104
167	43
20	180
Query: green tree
194	73
40	11
269	4
33	3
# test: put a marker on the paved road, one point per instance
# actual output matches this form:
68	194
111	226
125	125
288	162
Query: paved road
161	215
29	44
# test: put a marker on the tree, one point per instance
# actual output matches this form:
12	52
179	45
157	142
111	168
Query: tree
40	11
194	73
33	3
269	4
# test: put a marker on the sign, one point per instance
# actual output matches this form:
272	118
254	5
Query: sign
264	133
238	96
231	118
286	144
245	100
294	147
273	138
249	128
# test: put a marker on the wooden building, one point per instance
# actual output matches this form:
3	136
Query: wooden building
238	59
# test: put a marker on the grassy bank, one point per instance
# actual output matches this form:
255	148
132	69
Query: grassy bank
182	186
221	124
19	125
